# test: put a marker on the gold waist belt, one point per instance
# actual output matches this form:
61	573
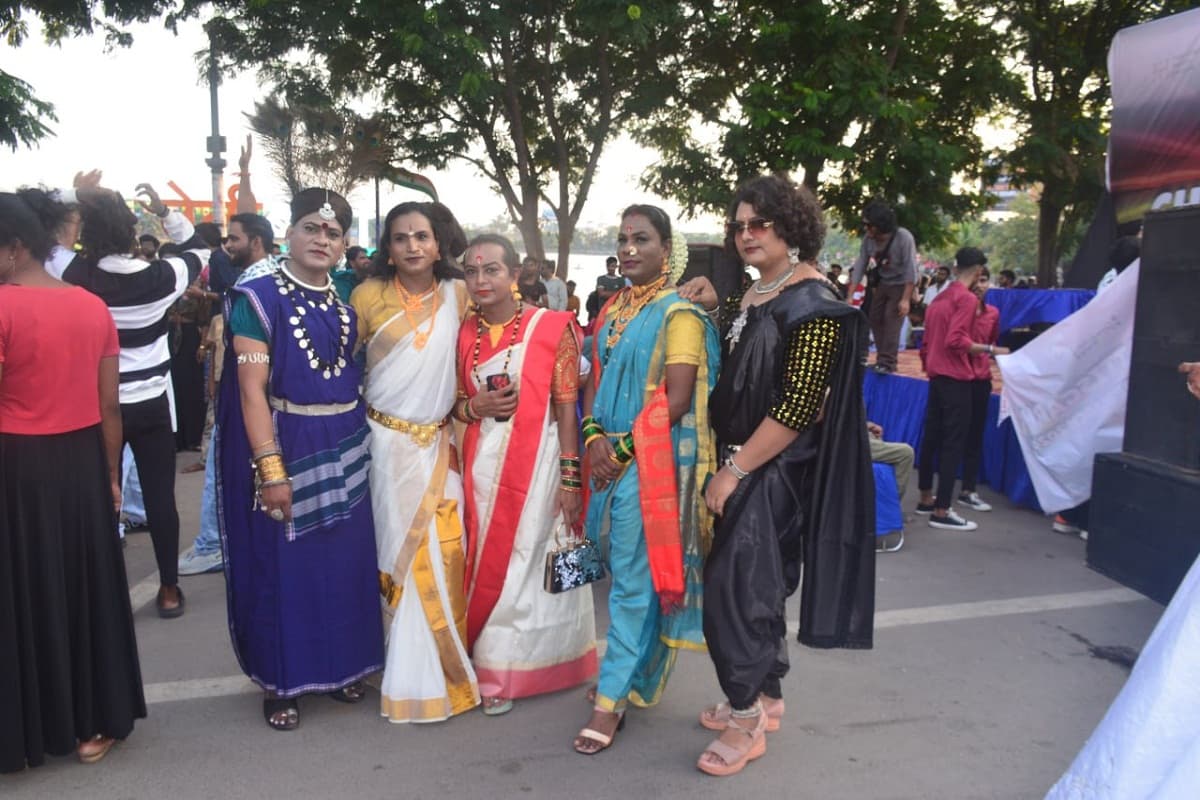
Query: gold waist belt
423	435
312	410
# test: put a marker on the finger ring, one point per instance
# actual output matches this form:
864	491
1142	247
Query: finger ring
276	514
613	458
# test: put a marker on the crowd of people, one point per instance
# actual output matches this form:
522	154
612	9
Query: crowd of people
399	443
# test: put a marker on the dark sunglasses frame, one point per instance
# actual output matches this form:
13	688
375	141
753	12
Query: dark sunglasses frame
755	224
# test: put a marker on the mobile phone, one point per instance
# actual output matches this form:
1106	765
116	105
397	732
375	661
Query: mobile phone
500	380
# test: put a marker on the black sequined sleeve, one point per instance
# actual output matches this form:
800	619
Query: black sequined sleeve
811	350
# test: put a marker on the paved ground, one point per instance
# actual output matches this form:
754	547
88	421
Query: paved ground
996	653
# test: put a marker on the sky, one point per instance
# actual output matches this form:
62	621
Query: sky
142	114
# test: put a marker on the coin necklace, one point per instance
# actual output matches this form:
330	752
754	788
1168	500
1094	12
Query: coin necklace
512	342
289	286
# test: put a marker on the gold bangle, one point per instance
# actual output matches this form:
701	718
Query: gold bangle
588	441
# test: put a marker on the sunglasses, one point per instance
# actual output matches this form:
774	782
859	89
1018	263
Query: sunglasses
755	225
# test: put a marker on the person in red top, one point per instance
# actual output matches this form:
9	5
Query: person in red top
69	673
985	330
946	353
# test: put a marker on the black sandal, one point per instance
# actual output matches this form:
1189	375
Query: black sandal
281	713
354	693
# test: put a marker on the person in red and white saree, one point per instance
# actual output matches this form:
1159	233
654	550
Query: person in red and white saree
518	372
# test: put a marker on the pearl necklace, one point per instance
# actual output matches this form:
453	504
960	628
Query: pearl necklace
767	288
289	286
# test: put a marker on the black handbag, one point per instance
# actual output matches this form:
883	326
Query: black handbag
577	564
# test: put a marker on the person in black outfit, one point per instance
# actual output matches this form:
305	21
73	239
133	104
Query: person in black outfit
139	294
796	483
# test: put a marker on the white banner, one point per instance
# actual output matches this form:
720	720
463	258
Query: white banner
1066	392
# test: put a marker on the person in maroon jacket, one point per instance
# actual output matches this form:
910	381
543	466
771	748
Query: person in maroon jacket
946	353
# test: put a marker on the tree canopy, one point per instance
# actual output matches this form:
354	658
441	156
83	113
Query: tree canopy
529	94
874	99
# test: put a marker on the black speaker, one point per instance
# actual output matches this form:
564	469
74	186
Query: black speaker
1142	528
1162	420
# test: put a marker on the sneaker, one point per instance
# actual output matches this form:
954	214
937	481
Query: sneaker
1083	535
882	369
193	563
1062	526
924	508
973	500
952	522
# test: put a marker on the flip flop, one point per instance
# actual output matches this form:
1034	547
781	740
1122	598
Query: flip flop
495	706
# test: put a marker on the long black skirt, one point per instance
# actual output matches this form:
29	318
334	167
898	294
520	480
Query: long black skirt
68	656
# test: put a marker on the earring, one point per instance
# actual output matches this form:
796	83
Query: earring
793	256
516	292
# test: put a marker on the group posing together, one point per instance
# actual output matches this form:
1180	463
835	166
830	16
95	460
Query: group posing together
393	472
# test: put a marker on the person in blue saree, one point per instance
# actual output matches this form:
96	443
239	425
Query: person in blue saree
649	449
292	494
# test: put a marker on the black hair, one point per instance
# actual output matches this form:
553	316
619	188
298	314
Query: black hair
984	272
109	227
449	235
207	236
658	219
880	216
794	210
30	217
145	237
353	251
511	259
312	200
171	249
1008	273
256	226
1123	252
610	260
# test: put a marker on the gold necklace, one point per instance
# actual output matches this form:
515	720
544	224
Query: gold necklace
413	303
632	300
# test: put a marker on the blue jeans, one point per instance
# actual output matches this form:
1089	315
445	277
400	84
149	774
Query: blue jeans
209	539
132	506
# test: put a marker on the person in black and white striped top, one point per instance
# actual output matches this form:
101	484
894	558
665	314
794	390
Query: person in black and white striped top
138	294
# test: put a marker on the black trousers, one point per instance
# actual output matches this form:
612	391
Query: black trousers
947	420
981	392
147	427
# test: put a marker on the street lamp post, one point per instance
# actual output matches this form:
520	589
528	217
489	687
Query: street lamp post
216	142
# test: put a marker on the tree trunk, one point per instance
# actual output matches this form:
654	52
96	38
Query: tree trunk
531	236
566	233
1049	216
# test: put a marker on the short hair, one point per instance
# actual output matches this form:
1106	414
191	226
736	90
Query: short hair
1008	273
880	216
312	200
794	210
30	217
510	258
968	258
658	219
256	226
451	240
610	260
109	227
208	234
353	251
145	237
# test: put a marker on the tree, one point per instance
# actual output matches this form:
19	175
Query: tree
529	94
23	115
313	146
1063	111
874	99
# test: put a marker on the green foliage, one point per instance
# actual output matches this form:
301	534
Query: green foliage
865	99
1063	110
21	114
528	94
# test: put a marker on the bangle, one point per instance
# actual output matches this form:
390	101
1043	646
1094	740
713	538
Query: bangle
270	467
623	447
737	471
991	349
588	441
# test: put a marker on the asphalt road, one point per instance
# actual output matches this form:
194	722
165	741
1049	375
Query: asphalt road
996	653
